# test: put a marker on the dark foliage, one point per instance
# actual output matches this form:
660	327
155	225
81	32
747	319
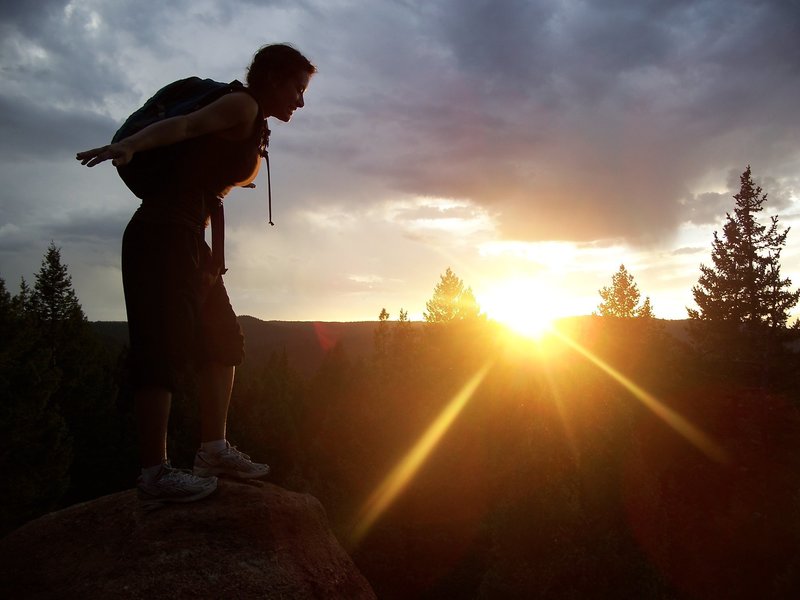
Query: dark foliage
554	480
35	447
65	439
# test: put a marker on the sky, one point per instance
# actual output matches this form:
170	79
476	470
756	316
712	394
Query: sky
531	146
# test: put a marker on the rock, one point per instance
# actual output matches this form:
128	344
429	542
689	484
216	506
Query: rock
246	541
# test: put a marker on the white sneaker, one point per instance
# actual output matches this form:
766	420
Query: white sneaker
174	485
230	462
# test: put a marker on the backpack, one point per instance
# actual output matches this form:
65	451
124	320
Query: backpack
178	98
147	170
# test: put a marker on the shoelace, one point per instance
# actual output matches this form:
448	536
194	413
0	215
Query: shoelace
168	468
234	451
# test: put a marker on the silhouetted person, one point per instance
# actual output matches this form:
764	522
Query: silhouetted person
180	319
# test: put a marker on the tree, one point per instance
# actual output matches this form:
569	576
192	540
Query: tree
54	302
35	449
403	338
380	336
645	311
745	286
743	301
621	299
53	297
22	301
451	301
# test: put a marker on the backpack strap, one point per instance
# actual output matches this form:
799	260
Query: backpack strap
218	236
217	212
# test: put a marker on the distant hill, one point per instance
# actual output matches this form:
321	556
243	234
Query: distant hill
677	328
305	342
113	333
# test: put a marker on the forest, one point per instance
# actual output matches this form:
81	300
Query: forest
618	456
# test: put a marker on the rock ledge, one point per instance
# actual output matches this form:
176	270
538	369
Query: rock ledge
245	541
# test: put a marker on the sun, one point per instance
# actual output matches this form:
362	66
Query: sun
525	305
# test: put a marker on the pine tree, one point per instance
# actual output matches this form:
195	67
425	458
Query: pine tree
645	311
380	337
451	301
743	301
22	301
53	299
745	285
621	299
402	337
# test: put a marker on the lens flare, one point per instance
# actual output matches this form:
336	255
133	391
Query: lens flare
404	472
682	426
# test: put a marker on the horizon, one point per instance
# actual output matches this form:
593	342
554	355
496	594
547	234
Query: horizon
357	321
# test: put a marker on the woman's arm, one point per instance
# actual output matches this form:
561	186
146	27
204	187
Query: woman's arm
232	116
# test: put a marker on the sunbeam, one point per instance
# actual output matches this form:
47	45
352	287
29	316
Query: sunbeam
569	432
691	433
401	475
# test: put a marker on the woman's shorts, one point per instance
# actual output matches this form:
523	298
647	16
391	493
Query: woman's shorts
178	321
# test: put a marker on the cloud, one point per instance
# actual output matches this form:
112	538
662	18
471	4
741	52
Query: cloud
79	226
31	130
572	121
567	121
686	250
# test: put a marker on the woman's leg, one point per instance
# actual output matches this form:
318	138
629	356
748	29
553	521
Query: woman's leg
158	267
152	416
215	383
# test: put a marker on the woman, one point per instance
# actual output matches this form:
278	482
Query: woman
179	316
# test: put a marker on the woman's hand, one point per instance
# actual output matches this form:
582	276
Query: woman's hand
119	154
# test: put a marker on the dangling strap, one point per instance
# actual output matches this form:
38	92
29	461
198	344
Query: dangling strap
269	189
263	149
218	236
265	153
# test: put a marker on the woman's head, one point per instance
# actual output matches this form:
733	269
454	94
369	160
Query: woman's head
277	62
277	70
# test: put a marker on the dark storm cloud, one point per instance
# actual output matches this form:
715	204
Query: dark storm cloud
53	21
31	131
17	242
29	15
575	121
65	53
712	207
706	208
49	58
90	227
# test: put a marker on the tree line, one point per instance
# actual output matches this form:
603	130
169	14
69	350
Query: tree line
62	434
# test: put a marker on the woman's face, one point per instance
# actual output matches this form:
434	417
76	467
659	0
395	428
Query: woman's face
287	96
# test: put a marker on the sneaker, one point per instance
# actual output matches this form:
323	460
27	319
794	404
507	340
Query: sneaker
230	462
174	485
